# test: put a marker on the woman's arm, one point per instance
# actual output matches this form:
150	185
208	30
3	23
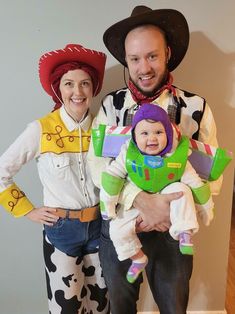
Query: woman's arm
24	149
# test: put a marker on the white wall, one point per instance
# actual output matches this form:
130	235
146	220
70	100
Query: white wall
29	28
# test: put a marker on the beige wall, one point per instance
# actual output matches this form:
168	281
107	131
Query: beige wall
29	28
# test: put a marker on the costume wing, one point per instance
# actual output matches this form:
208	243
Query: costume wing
208	161
107	140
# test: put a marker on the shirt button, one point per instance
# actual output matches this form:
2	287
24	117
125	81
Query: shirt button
81	179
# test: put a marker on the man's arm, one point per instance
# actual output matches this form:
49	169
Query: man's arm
208	135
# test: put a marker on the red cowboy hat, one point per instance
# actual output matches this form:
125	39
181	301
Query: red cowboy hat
72	52
172	22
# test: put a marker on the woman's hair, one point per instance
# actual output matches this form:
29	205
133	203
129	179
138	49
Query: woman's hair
59	71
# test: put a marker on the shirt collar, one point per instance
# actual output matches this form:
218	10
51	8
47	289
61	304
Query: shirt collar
73	125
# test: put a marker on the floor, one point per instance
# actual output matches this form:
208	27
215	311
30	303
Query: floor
230	293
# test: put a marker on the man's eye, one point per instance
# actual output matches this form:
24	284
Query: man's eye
153	57
134	59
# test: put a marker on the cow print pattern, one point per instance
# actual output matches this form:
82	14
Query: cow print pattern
119	106
74	285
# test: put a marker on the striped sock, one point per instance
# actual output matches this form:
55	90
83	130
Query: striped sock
135	269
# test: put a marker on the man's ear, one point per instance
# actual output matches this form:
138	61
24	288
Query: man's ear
168	54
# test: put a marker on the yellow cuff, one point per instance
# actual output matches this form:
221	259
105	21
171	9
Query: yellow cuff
15	201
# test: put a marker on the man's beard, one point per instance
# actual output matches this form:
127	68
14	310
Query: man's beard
156	89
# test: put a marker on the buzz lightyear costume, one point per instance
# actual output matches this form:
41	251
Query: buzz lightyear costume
169	172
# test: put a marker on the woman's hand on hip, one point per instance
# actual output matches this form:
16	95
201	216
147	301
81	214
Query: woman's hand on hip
43	215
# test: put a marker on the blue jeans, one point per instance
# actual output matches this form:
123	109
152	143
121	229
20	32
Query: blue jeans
74	237
168	272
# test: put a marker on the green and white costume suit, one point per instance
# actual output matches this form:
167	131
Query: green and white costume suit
165	175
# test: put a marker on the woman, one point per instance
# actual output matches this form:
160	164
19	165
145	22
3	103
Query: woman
59	142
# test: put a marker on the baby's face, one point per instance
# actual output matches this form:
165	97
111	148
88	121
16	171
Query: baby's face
150	137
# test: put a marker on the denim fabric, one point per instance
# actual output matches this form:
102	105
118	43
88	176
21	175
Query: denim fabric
168	273
74	237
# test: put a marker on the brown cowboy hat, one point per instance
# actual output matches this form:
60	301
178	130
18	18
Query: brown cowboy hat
172	22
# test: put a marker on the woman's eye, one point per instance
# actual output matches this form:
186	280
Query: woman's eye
86	83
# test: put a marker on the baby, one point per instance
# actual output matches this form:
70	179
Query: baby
155	161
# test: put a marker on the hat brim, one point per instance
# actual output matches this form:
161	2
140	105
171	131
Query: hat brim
49	61
172	22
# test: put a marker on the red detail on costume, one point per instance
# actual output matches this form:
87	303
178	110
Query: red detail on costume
146	172
177	131
125	130
111	129
208	149
194	144
171	176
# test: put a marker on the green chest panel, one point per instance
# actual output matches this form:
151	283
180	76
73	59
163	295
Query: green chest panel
153	173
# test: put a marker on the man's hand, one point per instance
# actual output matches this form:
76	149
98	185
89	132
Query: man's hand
43	215
154	211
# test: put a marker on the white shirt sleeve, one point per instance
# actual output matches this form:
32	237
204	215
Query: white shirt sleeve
23	149
207	132
208	135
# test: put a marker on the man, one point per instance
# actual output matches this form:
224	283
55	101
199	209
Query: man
151	44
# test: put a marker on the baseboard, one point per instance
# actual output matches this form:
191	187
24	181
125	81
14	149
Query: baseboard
192	312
